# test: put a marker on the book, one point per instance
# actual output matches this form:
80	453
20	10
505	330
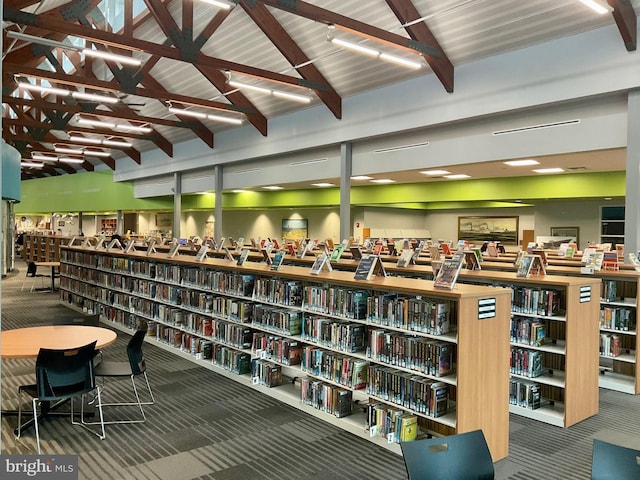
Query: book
277	260
369	266
448	273
130	246
434	252
228	255
202	253
266	256
471	260
100	243
221	244
633	260
336	253
406	257
114	243
151	248
356	253
417	249
446	249
524	267
408	427
244	253
173	251
321	262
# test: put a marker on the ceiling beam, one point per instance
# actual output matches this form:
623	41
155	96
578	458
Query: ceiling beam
626	20
317	14
129	43
405	11
263	18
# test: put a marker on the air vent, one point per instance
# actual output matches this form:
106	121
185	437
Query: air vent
308	162
575	169
248	170
537	127
401	147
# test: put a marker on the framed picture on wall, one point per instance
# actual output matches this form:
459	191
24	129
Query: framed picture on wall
568	234
481	229
295	228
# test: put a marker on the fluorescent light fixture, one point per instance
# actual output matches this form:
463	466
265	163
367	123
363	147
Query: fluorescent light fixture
230	120
239	190
133	128
94	97
549	170
597	6
89	52
70	160
216	3
361	177
403	62
564	123
96	123
323	184
89	140
31	164
457	176
372	52
116	143
69	151
42	89
40	40
308	162
44	158
188	113
97	153
268	91
436	172
273	187
606	198
522	163
383	180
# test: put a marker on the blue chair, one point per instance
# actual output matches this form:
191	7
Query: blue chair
62	375
613	462
464	456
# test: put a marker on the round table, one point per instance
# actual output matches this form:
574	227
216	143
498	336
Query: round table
26	342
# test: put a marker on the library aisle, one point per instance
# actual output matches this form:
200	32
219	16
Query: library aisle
205	426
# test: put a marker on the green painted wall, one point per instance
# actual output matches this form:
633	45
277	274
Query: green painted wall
96	191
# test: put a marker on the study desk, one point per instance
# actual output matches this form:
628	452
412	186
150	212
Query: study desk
54	266
27	342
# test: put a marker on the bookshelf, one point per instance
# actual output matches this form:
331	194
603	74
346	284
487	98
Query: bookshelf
178	296
42	248
568	378
108	226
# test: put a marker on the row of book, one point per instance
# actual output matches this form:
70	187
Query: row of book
347	371
337	301
280	320
266	373
524	394
424	355
326	397
278	290
536	301
617	318
527	330
528	363
610	345
420	394
392	423
344	336
415	314
278	349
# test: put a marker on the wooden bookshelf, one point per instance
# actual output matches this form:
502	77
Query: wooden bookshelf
128	288
42	248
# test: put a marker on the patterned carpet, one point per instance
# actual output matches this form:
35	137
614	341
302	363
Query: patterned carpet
206	426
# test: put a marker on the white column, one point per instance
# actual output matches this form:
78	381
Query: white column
177	203
632	198
345	190
217	208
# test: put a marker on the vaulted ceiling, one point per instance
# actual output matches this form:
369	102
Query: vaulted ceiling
203	65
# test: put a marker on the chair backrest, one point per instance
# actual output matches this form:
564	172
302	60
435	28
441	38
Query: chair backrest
134	352
464	456
613	462
87	320
32	268
65	373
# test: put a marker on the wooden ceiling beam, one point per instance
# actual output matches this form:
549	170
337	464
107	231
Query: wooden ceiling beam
263	18
405	11
626	20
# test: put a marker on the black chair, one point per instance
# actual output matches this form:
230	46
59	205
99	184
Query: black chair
135	367
32	272
62	375
613	462
464	456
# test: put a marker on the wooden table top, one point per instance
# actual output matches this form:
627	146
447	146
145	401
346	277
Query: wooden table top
26	342
47	264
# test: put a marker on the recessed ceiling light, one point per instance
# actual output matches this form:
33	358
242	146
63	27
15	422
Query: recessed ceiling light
522	163
322	184
457	176
361	177
383	180
435	172
549	170
239	190
273	187
607	198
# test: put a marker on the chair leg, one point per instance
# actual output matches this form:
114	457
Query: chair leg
35	422
137	403
84	424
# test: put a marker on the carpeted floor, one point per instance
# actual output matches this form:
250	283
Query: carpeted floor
206	426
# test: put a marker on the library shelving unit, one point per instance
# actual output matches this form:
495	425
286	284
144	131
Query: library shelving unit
554	342
42	248
187	304
618	328
108	225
